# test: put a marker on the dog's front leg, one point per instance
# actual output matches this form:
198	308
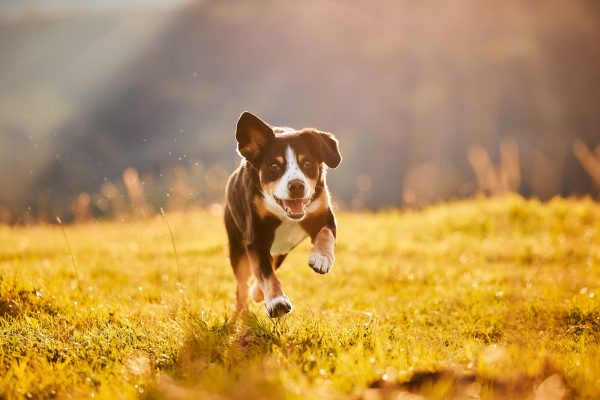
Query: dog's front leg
321	255
276	303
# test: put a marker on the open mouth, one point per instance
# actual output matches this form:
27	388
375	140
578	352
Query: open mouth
294	208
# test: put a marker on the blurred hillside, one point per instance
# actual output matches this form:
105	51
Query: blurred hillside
425	97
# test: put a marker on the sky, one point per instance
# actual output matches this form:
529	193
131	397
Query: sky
12	8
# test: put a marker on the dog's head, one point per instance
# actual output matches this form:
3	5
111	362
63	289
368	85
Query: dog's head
289	162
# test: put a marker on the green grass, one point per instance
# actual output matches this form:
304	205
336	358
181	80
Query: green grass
501	287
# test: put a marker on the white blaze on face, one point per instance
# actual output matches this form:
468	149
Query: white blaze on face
292	172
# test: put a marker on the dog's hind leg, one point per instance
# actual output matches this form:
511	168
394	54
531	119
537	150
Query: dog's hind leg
242	275
239	262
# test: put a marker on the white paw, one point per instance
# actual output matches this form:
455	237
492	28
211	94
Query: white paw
278	306
320	263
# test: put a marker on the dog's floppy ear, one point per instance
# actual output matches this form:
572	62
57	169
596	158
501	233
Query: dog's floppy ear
327	146
252	135
330	150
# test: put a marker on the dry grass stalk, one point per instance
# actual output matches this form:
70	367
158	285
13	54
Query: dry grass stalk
589	159
498	180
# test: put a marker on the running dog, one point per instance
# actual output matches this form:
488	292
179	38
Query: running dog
275	199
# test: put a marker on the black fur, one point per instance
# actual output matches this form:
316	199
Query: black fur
250	227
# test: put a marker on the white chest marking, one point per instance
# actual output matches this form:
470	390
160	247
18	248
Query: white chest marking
287	236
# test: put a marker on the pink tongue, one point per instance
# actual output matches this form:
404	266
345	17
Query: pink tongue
295	206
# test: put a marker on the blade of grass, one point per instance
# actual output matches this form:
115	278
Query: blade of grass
71	255
164	215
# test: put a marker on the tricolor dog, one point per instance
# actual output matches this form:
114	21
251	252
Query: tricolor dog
274	200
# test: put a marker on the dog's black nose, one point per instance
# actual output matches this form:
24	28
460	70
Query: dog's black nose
296	188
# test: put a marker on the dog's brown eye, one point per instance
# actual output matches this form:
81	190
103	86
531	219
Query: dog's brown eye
307	164
274	166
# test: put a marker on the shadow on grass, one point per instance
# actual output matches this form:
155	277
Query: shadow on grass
580	322
231	359
252	358
15	302
547	384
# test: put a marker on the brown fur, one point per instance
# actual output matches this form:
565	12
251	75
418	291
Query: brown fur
268	285
242	275
313	223
324	243
260	207
252	225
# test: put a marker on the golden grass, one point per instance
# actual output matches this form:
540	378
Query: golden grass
501	288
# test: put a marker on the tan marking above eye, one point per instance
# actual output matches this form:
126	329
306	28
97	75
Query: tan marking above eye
279	159
302	159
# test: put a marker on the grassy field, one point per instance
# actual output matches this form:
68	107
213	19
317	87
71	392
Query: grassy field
496	298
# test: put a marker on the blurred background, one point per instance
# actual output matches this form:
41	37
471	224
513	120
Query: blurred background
115	109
